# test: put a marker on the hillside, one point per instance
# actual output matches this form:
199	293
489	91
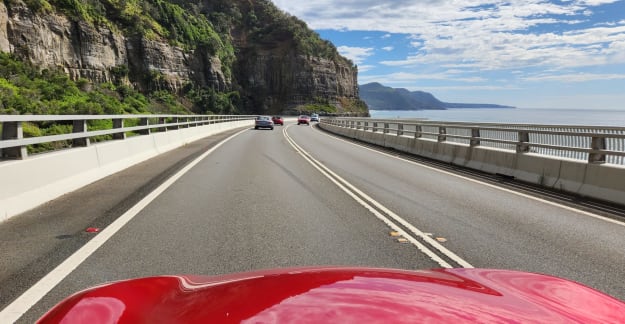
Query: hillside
379	97
198	56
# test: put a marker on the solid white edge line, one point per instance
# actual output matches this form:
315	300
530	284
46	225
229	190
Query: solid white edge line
326	172
555	204
402	221
34	294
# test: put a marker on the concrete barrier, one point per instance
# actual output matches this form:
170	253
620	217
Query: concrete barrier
31	182
595	180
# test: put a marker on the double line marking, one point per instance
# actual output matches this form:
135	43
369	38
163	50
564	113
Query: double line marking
435	251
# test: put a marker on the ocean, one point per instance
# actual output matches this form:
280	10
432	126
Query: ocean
577	117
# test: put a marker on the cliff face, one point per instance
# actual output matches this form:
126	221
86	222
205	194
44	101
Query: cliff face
54	41
287	81
269	79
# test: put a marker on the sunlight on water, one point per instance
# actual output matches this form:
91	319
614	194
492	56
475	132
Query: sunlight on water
585	117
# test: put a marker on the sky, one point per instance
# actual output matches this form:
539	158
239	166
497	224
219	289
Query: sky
522	53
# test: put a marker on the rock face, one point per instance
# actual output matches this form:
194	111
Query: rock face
289	80
54	41
270	81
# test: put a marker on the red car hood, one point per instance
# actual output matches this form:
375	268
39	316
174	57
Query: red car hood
342	295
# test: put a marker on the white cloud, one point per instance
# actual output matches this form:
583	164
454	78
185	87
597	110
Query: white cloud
388	48
519	52
365	68
485	34
576	77
412	77
356	54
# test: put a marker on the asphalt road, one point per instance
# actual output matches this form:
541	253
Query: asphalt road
296	196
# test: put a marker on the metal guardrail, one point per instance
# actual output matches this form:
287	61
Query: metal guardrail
13	144
594	144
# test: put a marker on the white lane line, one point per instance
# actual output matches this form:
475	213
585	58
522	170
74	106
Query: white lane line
344	185
29	298
573	209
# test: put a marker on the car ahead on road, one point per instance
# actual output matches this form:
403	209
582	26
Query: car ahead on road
303	119
277	120
314	118
342	295
263	122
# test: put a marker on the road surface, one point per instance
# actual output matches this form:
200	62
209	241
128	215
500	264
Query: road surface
295	196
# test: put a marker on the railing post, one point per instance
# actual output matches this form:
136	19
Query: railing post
386	127
418	131
366	126
442	133
80	126
523	145
375	127
144	122
400	129
119	123
475	137
597	143
174	120
13	130
162	121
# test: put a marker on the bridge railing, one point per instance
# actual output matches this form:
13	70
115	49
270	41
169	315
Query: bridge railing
594	144
82	130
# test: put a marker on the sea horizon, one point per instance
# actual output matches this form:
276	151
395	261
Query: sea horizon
546	116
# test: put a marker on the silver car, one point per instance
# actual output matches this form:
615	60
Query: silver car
314	117
263	122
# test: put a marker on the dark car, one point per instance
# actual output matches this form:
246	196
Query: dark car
277	120
303	119
263	122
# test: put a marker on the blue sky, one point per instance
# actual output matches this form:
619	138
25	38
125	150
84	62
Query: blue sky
523	53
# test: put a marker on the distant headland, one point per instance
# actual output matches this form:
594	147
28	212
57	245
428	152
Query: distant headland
380	97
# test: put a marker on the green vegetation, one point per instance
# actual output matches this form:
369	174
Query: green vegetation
316	108
26	90
356	106
351	106
206	28
207	101
153	19
268	24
